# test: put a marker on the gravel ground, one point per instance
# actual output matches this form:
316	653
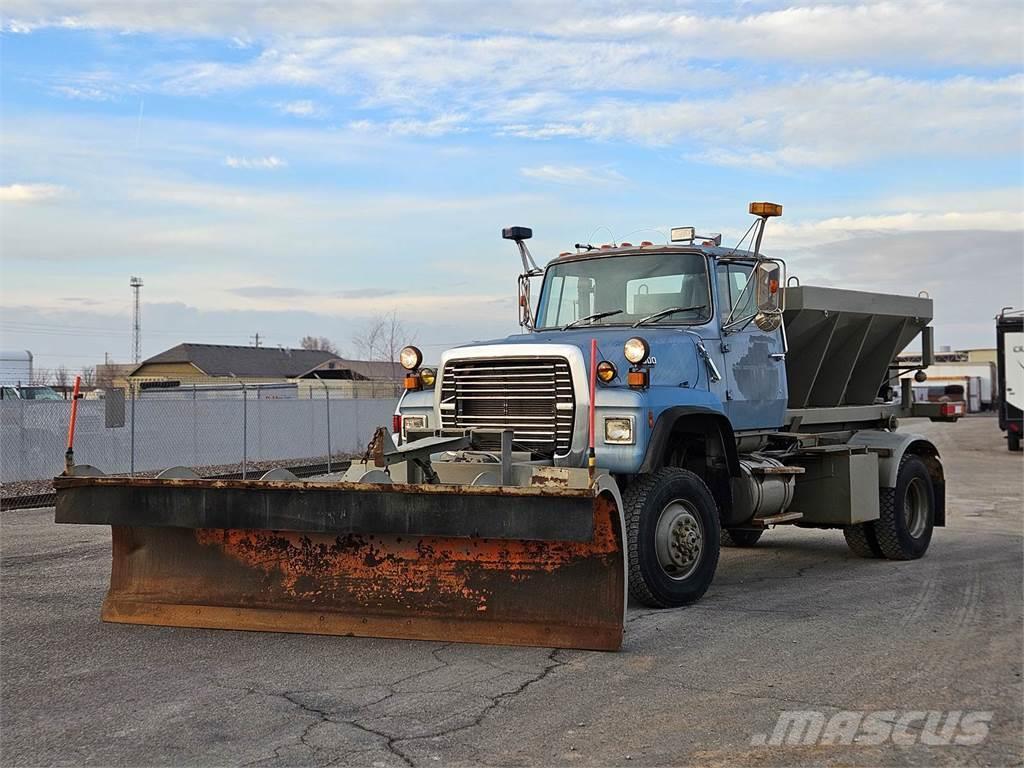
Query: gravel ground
794	624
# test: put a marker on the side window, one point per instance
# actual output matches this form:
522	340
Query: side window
732	279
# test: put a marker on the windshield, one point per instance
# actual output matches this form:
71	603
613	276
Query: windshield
39	393
630	287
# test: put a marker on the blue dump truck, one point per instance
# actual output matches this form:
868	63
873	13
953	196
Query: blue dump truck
662	401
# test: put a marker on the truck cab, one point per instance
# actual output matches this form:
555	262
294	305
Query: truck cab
677	369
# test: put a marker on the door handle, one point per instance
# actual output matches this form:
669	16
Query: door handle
777	355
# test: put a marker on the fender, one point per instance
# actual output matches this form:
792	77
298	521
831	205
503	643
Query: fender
897	445
666	424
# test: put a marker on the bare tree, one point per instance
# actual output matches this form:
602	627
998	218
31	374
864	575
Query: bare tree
89	376
41	376
382	338
61	377
318	342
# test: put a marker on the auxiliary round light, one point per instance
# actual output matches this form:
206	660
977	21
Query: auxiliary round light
606	371
428	376
636	350
410	358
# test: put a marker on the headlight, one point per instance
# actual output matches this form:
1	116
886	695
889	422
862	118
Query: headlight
413	422
636	350
428	376
606	371
410	358
619	430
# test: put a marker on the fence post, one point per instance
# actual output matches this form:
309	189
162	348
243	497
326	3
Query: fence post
245	427
195	428
131	450
22	454
327	394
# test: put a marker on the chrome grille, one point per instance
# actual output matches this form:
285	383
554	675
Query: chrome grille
531	396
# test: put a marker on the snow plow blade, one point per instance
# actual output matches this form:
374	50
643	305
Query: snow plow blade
533	565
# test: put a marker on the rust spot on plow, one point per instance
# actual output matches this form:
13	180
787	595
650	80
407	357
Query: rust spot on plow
385	570
551	593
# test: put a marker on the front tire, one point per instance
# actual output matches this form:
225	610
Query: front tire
1013	441
907	512
673	534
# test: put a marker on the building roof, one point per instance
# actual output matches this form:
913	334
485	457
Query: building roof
273	362
340	368
227	360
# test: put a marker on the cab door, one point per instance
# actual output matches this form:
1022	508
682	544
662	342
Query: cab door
755	361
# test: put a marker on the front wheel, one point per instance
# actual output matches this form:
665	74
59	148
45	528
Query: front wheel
1013	441
907	512
673	535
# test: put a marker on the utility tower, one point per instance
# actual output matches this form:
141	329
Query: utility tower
136	284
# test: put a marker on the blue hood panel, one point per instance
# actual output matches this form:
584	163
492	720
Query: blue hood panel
675	351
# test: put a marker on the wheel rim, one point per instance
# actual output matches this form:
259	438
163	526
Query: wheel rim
679	539
915	507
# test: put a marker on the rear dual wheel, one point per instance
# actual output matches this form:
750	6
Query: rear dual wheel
906	517
673	535
740	537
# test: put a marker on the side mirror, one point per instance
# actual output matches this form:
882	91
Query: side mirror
769	277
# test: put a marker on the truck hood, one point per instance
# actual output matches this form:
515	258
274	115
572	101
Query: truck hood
673	350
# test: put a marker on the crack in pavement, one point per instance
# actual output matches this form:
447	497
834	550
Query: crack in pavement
496	701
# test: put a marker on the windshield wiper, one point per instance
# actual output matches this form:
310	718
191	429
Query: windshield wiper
666	313
591	318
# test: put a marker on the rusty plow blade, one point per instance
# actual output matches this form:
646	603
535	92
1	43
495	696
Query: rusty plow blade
507	565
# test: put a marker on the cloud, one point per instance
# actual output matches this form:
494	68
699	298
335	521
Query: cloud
268	163
268	291
83	93
819	121
956	268
282	292
364	293
573	175
429	128
910	31
301	108
32	193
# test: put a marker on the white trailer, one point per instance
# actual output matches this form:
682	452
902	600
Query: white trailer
15	367
946	373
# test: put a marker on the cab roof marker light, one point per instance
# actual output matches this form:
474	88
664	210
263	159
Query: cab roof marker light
683	234
767	210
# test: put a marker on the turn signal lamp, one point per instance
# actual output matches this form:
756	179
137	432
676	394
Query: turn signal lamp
637	379
766	209
412	382
606	371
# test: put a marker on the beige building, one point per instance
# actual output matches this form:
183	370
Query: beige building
311	370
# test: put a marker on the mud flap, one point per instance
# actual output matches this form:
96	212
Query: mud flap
514	566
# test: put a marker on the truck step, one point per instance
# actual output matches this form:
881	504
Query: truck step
769	470
785	517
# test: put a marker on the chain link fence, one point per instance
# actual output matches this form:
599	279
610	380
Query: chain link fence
145	430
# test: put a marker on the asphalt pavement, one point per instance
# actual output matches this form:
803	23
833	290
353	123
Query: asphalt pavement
796	624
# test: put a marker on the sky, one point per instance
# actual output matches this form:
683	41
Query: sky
298	168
